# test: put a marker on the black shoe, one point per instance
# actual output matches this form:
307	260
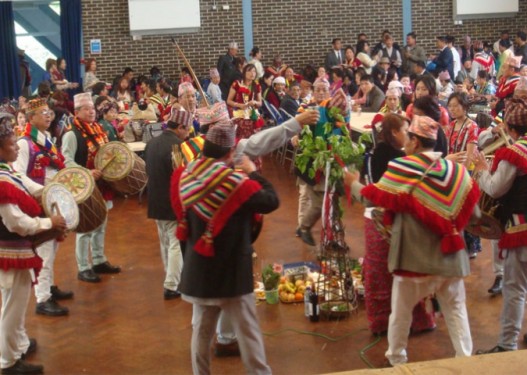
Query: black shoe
298	232
32	348
473	255
226	350
51	308
89	276
58	294
496	287
496	349
171	294
106	267
305	235
22	367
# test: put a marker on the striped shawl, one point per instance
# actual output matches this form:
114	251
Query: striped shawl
214	192
443	200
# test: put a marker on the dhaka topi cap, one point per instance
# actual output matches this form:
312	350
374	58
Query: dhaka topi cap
180	117
395	85
214	114
393	92
184	88
214	73
233	45
80	100
340	101
444	76
424	126
35	104
321	81
279	80
222	135
521	86
384	60
514	61
516	112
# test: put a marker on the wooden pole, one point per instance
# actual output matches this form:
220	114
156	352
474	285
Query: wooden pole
187	63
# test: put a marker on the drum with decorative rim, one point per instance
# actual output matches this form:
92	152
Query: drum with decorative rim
121	168
56	199
92	207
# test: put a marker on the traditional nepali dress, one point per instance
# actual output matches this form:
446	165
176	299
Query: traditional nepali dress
458	141
247	121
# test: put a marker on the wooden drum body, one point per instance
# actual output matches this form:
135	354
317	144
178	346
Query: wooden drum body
488	226
121	168
56	199
92	207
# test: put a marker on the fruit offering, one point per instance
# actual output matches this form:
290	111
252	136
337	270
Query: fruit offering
290	292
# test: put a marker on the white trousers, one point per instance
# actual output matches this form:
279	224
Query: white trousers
15	286
92	240
242	313
406	292
170	253
514	291
497	263
303	200
47	251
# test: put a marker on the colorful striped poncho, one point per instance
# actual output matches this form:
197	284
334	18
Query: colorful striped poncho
515	234
214	192
443	200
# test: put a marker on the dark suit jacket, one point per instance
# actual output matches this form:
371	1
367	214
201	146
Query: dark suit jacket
229	273
227	71
289	105
331	60
158	156
445	61
374	100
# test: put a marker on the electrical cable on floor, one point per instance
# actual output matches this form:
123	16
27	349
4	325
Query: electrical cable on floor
362	352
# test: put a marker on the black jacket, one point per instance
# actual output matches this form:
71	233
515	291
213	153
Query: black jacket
229	273
158	157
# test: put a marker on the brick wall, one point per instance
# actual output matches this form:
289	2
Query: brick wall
300	30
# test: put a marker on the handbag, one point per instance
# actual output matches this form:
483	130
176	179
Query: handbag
152	130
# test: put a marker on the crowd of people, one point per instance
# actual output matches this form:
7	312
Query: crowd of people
425	145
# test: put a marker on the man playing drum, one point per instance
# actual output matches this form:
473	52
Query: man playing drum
20	219
507	180
159	167
40	160
79	146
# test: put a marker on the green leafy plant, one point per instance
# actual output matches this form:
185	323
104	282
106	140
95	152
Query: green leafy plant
338	150
271	276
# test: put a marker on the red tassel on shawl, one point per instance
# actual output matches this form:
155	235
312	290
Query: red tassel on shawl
513	240
10	194
175	199
205	245
512	157
406	203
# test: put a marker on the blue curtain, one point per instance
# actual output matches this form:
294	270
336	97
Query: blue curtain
9	64
71	37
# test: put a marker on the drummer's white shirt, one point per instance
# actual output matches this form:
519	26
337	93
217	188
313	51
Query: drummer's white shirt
500	182
22	161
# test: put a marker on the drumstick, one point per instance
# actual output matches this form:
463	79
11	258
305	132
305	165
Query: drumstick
505	136
187	63
108	163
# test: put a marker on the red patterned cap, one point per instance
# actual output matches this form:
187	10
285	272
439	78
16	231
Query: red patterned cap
221	135
516	112
424	126
216	113
35	104
180	117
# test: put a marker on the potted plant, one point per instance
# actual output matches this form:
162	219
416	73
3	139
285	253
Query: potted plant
271	278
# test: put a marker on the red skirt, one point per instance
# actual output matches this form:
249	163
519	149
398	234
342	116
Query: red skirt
244	129
378	286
